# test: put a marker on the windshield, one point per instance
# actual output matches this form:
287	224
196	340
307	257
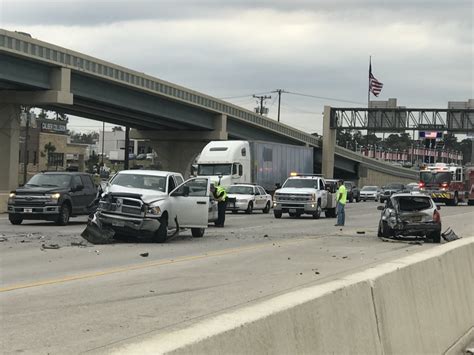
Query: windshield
214	169
148	182
301	183
429	177
411	204
53	180
369	188
240	190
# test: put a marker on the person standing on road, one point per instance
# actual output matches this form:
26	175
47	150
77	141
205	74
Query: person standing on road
341	198
221	197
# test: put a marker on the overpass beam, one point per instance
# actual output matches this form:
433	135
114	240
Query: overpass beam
60	92
177	150
329	144
9	146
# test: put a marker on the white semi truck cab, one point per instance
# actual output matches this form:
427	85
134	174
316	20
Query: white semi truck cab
228	161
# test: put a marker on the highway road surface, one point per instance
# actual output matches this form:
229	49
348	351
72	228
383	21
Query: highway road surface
83	298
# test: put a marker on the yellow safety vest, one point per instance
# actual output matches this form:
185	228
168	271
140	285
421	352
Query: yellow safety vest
220	190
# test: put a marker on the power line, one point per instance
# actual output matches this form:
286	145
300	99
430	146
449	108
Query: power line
324	98
241	96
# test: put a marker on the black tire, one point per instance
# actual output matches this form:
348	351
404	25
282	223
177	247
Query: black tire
330	213
317	213
197	232
249	208
15	219
383	230
277	214
161	235
64	214
435	236
267	208
470	202
455	200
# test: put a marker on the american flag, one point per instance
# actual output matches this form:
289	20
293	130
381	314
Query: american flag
375	86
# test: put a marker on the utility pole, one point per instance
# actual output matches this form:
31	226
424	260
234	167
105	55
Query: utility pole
261	98
103	136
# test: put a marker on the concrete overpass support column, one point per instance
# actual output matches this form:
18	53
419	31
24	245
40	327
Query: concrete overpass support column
9	148
177	155
329	144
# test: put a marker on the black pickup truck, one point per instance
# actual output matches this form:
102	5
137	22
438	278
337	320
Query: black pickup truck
52	196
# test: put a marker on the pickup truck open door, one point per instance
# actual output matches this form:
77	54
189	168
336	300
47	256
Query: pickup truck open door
190	203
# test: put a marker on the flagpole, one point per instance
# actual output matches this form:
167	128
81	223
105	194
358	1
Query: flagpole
368	87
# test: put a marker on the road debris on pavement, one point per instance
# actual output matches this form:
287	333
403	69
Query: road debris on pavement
50	246
449	235
144	255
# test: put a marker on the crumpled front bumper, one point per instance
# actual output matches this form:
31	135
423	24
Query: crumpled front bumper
135	226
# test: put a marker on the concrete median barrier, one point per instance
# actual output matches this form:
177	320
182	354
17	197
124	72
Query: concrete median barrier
422	303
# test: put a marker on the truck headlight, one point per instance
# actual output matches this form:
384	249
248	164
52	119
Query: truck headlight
11	197
156	211
55	196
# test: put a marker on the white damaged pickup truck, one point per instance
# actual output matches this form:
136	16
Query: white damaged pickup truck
156	204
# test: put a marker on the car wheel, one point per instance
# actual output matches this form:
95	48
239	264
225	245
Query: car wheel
197	232
162	233
384	230
15	219
277	214
64	214
249	208
317	213
470	202
267	208
435	236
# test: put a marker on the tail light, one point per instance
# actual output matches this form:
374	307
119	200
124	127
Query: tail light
444	184
421	184
436	217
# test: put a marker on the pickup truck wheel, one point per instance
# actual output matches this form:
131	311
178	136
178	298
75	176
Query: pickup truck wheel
249	208
197	232
162	233
317	213
277	214
15	219
330	213
267	208
64	214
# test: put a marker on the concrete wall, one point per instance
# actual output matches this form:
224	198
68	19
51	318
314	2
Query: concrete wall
378	178
423	303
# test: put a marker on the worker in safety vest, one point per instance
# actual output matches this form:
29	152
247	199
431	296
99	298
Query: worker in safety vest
221	197
341	198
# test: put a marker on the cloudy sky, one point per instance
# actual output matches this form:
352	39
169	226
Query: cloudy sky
421	50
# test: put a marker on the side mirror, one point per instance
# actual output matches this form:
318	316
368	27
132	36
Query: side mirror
438	207
380	208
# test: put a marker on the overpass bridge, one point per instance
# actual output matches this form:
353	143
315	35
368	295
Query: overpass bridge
178	121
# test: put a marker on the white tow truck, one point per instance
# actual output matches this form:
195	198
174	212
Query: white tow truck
155	204
305	194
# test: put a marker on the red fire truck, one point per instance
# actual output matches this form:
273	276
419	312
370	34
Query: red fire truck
450	184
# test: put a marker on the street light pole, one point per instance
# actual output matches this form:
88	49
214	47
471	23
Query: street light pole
25	153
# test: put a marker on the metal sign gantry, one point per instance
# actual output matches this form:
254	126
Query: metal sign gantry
403	119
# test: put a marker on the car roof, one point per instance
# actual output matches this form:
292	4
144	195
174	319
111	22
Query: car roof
148	172
63	173
410	194
305	177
